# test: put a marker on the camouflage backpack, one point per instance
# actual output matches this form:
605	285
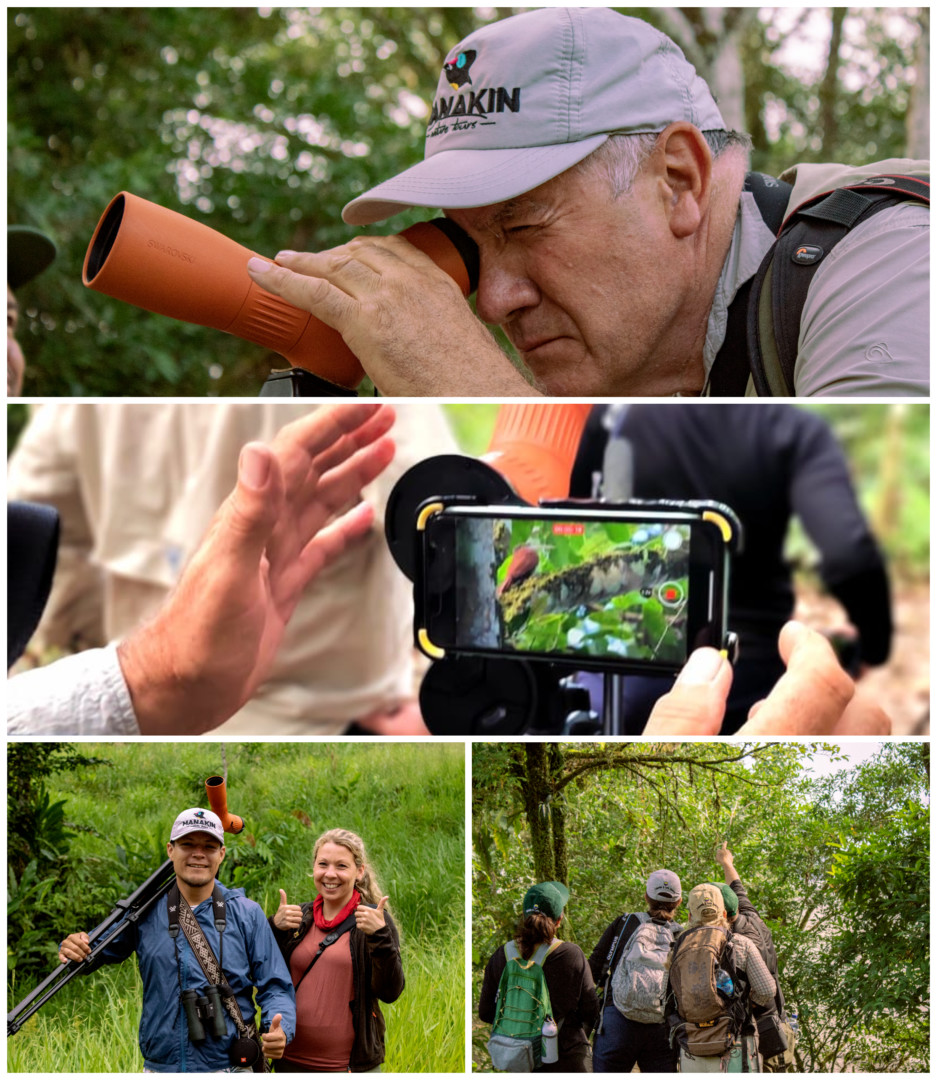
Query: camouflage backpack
709	1022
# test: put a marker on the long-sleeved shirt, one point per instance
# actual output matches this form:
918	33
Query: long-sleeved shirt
748	960
751	925
84	694
250	958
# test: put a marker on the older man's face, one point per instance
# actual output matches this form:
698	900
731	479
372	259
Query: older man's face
587	288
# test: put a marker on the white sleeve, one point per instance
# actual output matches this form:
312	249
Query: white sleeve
84	694
864	331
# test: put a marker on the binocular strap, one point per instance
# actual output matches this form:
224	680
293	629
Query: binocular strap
181	915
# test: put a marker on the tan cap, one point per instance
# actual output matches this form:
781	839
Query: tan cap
706	903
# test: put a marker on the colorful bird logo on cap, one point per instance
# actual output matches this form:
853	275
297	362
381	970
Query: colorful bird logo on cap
457	68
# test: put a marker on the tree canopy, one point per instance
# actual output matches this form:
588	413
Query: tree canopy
836	862
263	123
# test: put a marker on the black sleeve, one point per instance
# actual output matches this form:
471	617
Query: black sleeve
823	497
285	938
489	991
745	905
588	1000
591	454
383	946
600	952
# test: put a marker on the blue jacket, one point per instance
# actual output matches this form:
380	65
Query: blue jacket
251	959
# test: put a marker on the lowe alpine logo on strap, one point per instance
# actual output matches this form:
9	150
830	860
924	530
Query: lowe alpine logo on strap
807	254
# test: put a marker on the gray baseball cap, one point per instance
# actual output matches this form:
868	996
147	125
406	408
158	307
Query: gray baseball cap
664	885
522	100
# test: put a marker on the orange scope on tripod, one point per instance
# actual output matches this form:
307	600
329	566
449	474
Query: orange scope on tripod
217	794
534	447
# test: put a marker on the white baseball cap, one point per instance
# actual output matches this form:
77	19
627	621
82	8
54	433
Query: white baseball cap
522	100
197	820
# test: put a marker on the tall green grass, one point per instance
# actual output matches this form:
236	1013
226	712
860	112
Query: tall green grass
406	800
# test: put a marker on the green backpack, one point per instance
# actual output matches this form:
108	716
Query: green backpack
521	1006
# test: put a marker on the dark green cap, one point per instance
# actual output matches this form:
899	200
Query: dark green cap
547	898
731	899
29	252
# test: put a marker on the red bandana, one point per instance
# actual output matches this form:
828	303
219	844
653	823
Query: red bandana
329	924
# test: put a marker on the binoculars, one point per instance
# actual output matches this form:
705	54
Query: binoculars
203	1010
169	264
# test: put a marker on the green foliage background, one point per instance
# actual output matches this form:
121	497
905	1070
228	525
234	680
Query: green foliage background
109	831
836	863
263	123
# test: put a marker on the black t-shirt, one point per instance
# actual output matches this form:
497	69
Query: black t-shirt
768	462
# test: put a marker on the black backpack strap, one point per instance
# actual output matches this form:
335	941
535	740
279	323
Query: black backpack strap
330	938
779	289
729	374
629	926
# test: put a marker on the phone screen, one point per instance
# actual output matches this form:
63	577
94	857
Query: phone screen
623	591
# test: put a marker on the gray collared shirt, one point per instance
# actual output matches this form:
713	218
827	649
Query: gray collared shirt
864	330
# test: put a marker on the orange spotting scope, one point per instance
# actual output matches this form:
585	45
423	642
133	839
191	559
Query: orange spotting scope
167	263
218	801
534	447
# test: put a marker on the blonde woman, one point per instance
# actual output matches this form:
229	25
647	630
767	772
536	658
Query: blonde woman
343	953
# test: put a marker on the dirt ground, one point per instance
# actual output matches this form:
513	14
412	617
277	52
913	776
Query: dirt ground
903	684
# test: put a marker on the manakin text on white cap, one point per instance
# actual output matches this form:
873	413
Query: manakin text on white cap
524	99
197	820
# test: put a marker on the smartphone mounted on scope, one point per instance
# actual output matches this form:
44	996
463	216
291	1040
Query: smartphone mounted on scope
626	588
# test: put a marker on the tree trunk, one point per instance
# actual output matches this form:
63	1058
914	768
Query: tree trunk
558	820
710	38
885	516
828	88
537	792
919	110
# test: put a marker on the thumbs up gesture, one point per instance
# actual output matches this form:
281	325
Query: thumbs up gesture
370	919
274	1040
288	916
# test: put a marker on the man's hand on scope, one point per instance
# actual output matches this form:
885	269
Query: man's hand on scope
404	318
212	643
287	916
813	697
74	947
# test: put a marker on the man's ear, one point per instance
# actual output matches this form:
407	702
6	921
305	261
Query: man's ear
685	164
